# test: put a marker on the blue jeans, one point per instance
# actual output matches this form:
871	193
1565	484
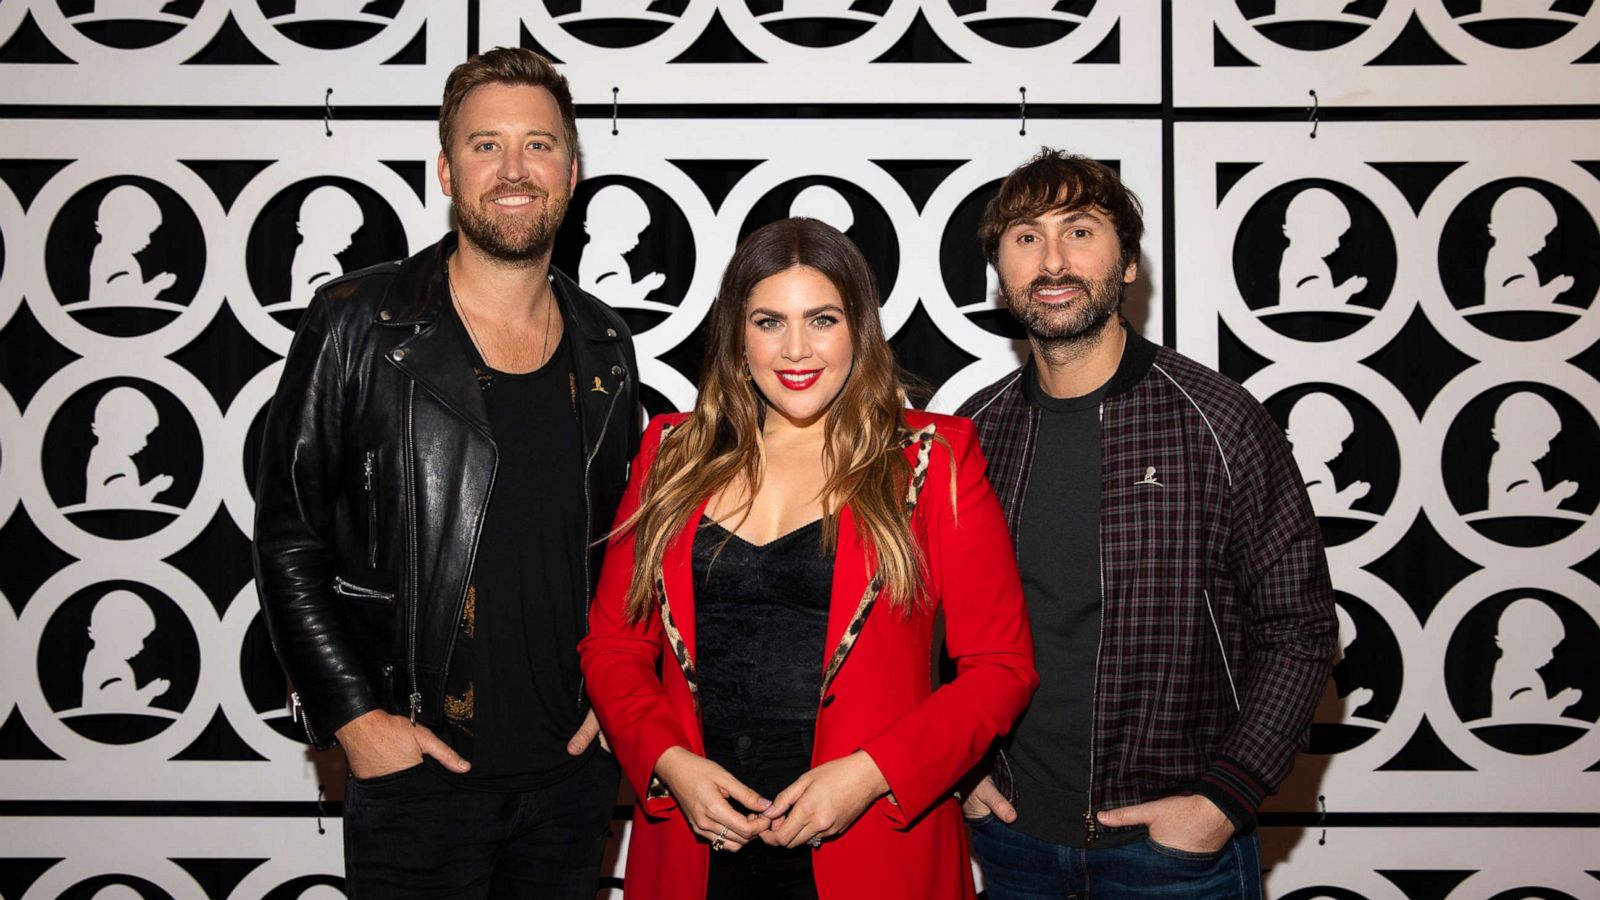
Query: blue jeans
1018	867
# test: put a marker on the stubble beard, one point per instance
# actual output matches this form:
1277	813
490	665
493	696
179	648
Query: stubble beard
1069	328
511	242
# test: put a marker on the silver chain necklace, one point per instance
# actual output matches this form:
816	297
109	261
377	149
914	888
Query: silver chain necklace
486	379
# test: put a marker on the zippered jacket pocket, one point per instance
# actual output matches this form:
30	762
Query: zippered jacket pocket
357	592
369	472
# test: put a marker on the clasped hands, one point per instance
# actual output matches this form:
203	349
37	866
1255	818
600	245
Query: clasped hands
820	804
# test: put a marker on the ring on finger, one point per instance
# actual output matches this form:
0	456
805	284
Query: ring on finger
721	841
815	841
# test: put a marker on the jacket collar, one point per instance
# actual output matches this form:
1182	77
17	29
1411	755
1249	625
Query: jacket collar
415	298
415	293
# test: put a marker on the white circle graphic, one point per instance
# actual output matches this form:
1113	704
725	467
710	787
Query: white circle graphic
50	310
757	38
1442	513
10	469
65	36
132	858
50	519
236	705
1455	327
43	720
12	228
1397	307
956	33
1409	707
1402	422
1245	37
266	37
10	656
553	34
1445	28
1435	644
871	180
251	401
262	190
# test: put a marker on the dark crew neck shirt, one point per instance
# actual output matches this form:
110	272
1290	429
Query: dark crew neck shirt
1058	553
512	691
761	623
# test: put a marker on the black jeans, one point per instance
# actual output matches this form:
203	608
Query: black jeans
767	757
412	833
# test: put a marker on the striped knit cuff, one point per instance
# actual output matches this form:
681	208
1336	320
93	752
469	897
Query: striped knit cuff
1234	792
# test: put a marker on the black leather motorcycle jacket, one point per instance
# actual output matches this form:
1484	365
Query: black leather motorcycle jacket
375	474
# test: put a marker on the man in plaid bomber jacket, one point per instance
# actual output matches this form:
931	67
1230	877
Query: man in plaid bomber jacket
1196	669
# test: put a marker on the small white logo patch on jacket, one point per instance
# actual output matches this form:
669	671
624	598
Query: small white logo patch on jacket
1149	478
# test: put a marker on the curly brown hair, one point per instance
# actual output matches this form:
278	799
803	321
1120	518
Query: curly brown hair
1056	180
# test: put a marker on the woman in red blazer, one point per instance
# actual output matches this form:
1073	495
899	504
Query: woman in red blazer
800	438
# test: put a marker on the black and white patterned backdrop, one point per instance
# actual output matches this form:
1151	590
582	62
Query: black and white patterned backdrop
1379	215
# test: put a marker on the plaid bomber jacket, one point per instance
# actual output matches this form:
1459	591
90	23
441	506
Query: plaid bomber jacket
1217	630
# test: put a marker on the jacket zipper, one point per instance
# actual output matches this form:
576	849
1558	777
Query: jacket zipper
411	528
350	589
368	467
1091	829
588	516
297	713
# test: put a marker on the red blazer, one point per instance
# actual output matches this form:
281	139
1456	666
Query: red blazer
881	699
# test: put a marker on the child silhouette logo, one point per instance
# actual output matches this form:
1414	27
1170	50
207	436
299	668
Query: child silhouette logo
304	236
845	206
125	256
118	627
1525	424
1519	259
1364	688
1319	425
616	24
123	421
824	204
128	219
1542	691
1314	223
329	220
1519	224
1527	638
617	227
1315	260
614	219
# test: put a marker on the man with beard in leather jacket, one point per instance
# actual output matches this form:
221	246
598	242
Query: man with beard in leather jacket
450	438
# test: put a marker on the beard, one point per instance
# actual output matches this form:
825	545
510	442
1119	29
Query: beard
511	241
1067	323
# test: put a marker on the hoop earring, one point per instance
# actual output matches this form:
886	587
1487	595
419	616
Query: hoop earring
746	374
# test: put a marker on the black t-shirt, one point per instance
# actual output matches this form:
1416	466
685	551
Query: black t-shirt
1058	550
511	699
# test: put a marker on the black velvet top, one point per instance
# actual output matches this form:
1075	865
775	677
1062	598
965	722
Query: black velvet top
761	620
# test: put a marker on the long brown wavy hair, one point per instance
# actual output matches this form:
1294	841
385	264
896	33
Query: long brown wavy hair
720	443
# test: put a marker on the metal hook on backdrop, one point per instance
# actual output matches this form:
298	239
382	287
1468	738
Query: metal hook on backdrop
1023	111
327	113
1315	109
614	109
